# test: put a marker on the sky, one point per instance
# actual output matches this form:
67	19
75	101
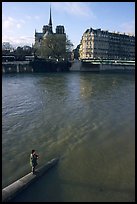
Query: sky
20	19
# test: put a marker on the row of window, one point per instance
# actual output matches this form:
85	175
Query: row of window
113	49
108	56
109	35
107	51
116	40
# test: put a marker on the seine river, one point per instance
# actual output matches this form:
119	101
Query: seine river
86	119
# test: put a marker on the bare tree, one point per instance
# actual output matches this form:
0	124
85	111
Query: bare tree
55	47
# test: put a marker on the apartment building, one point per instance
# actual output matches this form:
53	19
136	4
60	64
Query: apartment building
100	44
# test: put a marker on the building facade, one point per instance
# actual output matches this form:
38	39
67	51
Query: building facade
99	44
48	30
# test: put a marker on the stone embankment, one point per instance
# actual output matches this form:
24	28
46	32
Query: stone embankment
36	66
16	67
76	65
102	67
9	192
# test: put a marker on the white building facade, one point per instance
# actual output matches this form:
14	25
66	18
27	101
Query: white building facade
99	44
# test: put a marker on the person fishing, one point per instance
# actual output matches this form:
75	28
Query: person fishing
33	160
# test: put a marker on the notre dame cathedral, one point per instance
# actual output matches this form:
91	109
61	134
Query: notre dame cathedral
47	30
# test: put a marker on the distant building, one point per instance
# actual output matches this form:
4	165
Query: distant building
7	46
100	44
48	30
75	52
26	48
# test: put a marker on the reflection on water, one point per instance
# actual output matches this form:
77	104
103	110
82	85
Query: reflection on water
86	119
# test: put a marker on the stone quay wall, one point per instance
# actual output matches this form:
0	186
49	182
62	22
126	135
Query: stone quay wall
16	67
78	65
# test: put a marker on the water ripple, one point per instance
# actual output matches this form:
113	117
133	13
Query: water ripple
58	113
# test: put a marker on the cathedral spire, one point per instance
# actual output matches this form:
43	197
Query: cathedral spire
50	20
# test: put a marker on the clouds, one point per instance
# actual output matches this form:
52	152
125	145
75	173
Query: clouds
11	26
18	41
79	9
13	30
21	19
9	23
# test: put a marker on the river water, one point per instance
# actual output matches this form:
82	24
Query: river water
85	119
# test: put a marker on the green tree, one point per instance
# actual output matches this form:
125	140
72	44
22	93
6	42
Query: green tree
55	47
